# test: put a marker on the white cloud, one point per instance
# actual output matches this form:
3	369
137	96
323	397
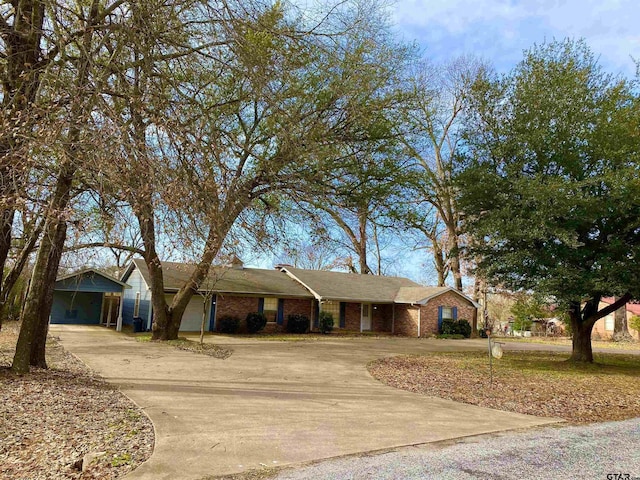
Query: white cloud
501	29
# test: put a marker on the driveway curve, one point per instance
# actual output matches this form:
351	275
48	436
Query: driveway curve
275	403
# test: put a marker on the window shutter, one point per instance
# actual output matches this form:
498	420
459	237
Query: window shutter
261	305
280	316
454	313
439	319
343	311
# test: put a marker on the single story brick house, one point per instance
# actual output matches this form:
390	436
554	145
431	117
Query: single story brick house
358	302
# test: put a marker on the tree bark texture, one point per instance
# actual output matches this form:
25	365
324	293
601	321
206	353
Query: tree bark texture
583	318
620	327
35	316
20	82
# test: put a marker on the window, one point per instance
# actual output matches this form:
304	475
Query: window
136	306
270	309
333	308
447	313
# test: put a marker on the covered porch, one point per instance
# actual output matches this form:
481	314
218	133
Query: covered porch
88	297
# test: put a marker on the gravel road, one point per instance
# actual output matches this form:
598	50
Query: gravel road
596	451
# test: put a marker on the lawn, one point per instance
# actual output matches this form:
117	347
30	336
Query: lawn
50	419
535	383
633	345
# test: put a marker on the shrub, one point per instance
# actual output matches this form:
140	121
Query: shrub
464	328
297	323
325	320
448	327
256	321
456	327
228	324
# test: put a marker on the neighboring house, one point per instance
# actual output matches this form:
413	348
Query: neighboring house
357	302
603	328
88	297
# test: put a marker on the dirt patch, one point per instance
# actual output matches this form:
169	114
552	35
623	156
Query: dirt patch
535	383
50	419
182	343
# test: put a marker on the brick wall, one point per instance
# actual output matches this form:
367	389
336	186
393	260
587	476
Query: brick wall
429	312
352	314
235	306
299	306
240	307
406	320
382	318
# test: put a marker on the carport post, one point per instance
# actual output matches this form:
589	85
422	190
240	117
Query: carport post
119	321
109	310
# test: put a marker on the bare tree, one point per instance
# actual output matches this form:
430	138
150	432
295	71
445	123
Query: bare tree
434	140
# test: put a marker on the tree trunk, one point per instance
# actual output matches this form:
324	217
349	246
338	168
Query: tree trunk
621	328
31	345
439	262
454	260
476	298
362	246
39	344
581	350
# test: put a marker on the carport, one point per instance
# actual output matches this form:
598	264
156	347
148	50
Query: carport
88	297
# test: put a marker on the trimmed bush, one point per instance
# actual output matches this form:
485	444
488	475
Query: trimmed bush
464	328
456	327
256	321
325	321
297	323
228	324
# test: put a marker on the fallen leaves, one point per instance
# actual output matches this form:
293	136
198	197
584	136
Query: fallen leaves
50	419
534	383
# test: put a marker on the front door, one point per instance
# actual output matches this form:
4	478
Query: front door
365	321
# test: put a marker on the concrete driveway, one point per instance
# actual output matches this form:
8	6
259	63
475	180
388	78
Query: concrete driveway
274	403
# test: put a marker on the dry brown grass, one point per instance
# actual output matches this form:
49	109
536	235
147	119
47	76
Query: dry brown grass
535	383
49	419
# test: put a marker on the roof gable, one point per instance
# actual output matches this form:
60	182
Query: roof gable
89	280
422	295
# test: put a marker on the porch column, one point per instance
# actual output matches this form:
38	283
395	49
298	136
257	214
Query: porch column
109	311
119	321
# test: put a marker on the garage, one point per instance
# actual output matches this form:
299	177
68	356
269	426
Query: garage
88	297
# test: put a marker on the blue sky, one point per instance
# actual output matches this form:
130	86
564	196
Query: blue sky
499	30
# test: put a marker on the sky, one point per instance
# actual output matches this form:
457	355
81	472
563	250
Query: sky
500	30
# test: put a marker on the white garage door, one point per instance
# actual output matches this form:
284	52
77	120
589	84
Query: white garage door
192	318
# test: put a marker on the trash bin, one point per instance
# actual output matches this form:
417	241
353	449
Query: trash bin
137	325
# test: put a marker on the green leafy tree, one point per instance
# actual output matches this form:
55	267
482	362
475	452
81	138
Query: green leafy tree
552	183
526	309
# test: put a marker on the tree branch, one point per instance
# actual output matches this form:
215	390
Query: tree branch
115	246
611	308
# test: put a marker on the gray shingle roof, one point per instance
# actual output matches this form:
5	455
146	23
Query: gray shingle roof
291	282
351	286
424	294
230	280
